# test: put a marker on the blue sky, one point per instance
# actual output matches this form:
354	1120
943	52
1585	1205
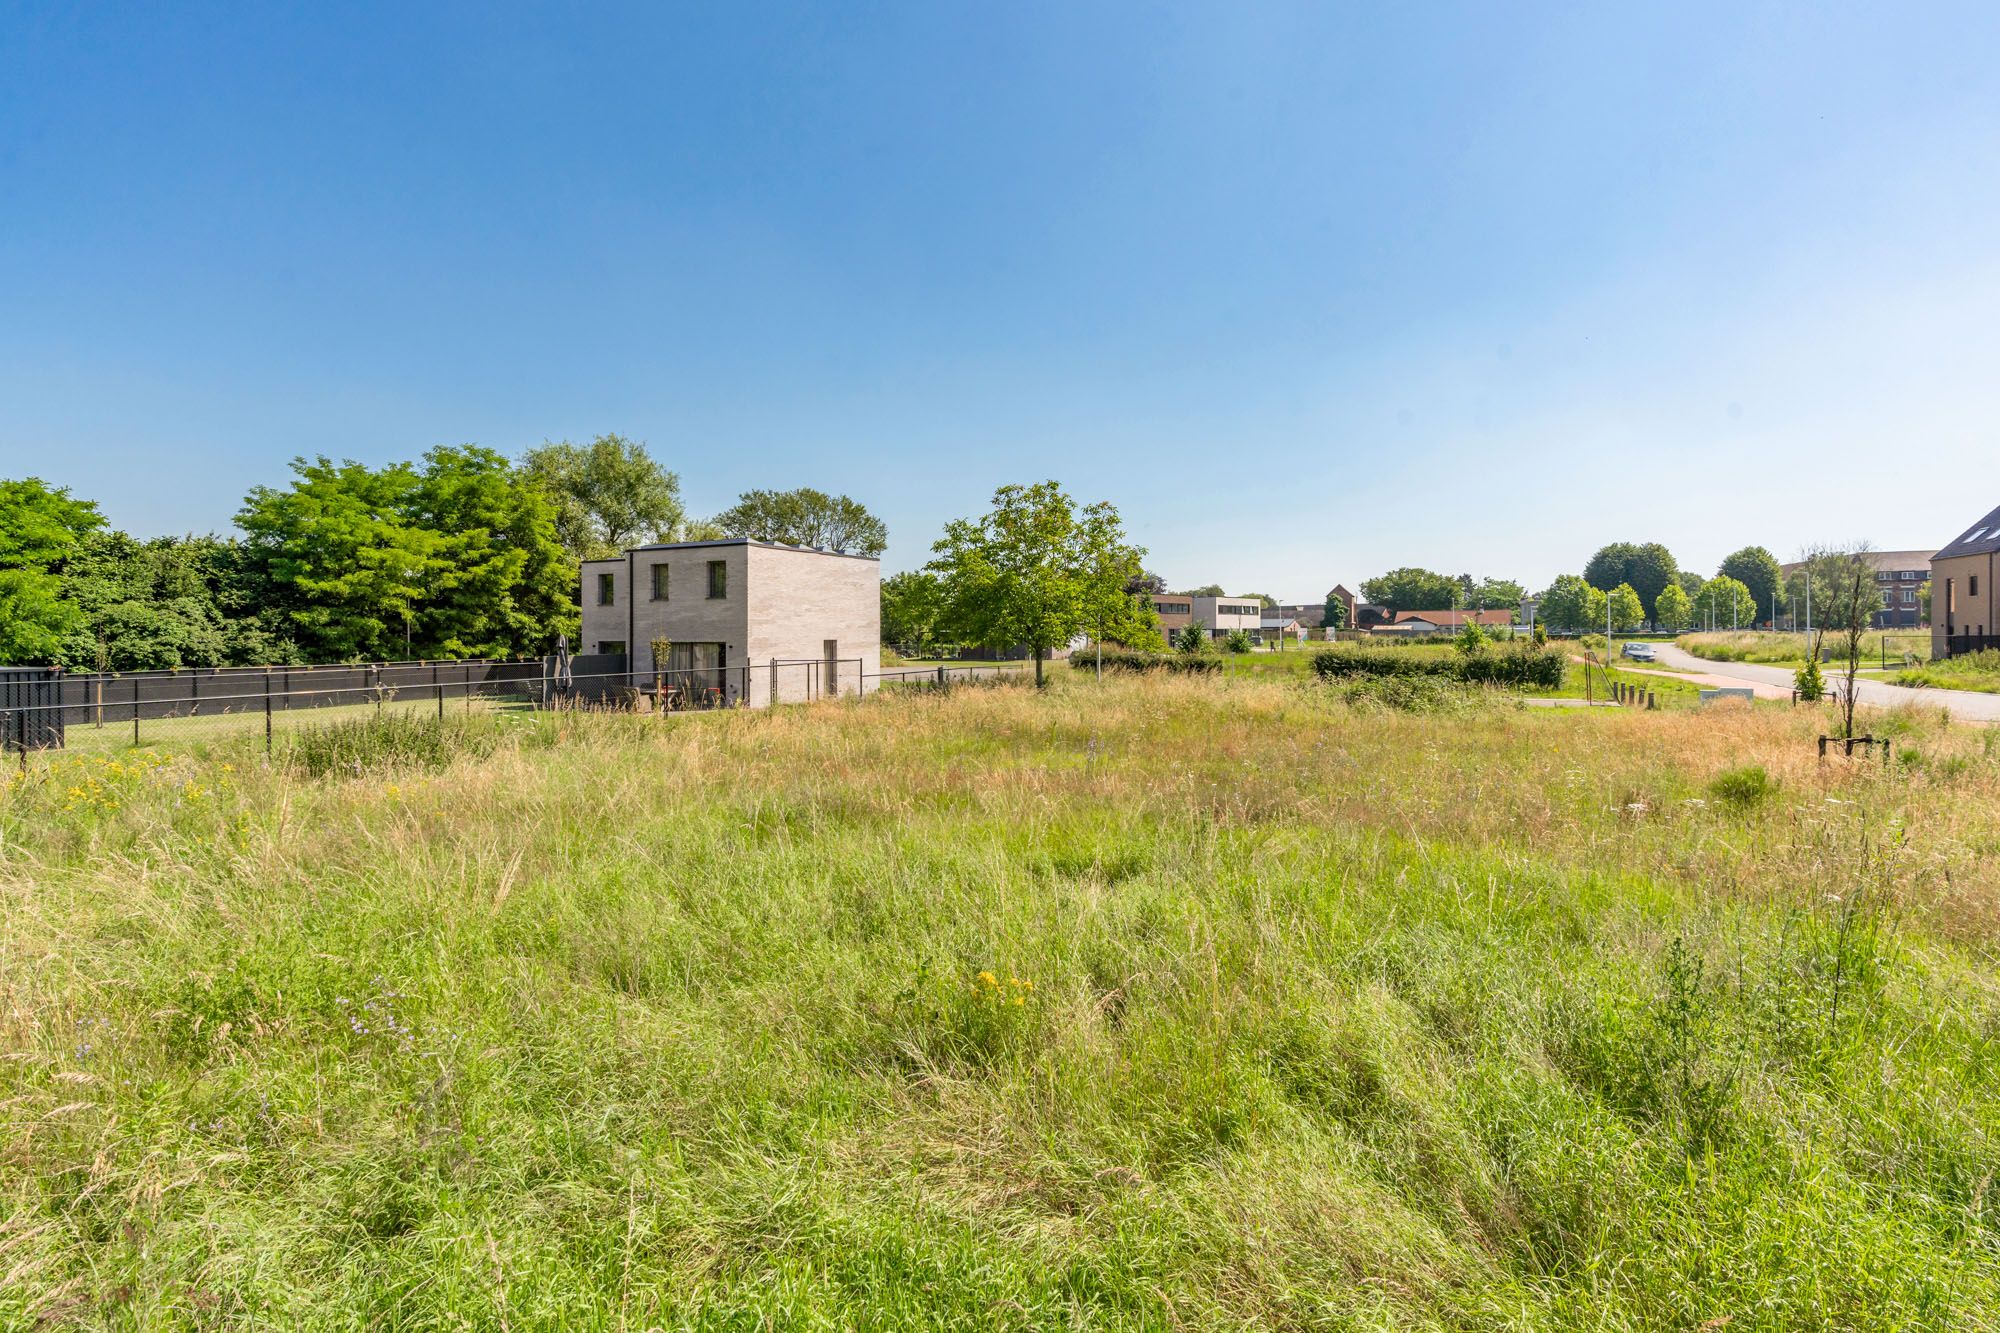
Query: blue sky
1309	291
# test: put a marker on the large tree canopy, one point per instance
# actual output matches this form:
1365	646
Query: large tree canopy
1411	589
39	526
457	558
166	603
1648	567
1758	570
1572	604
913	603
805	517
1038	571
608	495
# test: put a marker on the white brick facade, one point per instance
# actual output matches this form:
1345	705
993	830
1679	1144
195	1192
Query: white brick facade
781	608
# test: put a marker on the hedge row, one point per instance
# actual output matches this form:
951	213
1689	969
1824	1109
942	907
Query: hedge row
1131	661
1518	664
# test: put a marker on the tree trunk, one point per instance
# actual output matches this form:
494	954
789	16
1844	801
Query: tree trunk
1038	667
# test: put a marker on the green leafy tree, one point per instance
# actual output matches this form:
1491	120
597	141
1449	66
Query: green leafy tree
1497	595
1236	641
1470	638
1036	570
1627	609
1648	567
1675	612
339	552
166	603
806	517
1191	638
1726	604
913	604
1758	570
1571	604
39	527
459	557
1336	613
498	580
608	494
1206	590
1411	589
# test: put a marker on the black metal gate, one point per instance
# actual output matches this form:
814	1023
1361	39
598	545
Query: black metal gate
30	712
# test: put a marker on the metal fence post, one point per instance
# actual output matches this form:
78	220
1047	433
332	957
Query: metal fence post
438	689
267	715
135	710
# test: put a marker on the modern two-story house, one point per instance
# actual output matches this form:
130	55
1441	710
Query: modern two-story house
1965	609
741	621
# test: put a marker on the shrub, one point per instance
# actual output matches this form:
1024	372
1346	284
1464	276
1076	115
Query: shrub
1191	639
1745	788
1428	693
1810	684
1236	641
1187	663
387	740
1519	665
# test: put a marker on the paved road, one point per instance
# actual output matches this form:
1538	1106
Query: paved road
1968	704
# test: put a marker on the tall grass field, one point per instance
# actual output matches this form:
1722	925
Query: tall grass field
1780	648
1161	1002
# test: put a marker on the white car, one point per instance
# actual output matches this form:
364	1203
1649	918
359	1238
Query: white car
1640	652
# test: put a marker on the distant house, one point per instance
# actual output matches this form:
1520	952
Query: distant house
1446	622
1312	615
744	621
1367	615
1218	615
1899	577
1965	604
1274	628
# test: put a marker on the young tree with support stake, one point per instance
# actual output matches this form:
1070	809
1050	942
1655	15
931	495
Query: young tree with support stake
1036	570
1845	600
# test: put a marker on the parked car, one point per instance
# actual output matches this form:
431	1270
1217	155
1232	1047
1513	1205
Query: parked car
1640	652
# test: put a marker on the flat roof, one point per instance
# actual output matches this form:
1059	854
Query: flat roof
619	559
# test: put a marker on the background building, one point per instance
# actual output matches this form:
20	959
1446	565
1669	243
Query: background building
1899	577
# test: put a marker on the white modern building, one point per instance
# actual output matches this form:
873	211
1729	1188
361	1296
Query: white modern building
736	621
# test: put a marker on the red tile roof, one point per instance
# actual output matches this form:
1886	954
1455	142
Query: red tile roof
1457	619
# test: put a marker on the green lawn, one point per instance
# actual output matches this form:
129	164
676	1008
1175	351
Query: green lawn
1162	1003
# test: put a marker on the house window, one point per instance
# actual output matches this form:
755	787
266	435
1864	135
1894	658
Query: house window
614	646
659	583
1909	597
1972	585
607	588
718	579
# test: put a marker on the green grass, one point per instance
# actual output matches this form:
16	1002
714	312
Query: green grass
1506	1019
1967	671
1789	650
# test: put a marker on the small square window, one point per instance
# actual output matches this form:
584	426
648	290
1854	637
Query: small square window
607	589
718	579
659	583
